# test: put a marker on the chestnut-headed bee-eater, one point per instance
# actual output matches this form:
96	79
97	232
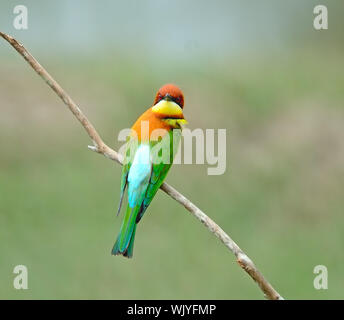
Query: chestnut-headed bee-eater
143	171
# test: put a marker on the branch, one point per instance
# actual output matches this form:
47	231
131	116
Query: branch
100	147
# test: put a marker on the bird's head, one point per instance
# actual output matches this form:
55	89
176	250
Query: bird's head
170	92
169	104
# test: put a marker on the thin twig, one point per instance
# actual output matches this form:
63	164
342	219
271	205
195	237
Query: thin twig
100	147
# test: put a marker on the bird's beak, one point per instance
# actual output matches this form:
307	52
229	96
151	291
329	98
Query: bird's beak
168	97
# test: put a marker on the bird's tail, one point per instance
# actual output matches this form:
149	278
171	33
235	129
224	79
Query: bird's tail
125	241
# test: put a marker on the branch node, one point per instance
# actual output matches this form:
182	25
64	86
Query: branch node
93	148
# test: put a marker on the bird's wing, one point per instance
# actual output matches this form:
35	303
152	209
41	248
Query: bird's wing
131	148
138	176
159	172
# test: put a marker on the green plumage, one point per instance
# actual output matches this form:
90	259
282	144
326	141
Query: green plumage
143	185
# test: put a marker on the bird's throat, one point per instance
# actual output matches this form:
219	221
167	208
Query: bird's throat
169	109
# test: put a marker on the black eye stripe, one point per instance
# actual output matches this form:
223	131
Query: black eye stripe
177	100
171	118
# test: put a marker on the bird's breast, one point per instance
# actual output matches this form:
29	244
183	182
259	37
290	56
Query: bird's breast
150	127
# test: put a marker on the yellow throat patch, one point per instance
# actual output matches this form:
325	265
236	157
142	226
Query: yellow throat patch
168	108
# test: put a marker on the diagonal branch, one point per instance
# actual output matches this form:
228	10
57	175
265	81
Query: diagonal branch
100	147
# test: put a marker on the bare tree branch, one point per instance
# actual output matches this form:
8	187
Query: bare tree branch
100	147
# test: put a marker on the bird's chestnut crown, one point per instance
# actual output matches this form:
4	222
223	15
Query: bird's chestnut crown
170	92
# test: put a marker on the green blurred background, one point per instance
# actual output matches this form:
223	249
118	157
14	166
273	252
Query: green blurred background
258	69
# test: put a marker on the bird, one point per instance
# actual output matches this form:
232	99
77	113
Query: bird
144	168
